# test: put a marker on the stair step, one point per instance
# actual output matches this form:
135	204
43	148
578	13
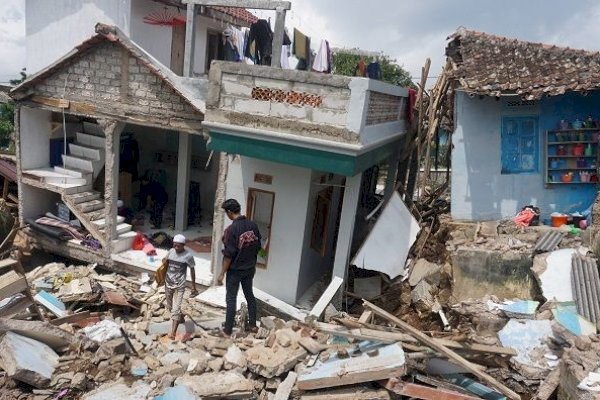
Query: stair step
78	163
92	153
72	189
83	197
121	228
102	222
85	139
94	215
77	173
92	205
123	242
65	179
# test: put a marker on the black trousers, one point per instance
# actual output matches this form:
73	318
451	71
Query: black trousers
232	285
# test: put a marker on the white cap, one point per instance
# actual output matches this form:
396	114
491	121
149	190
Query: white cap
119	203
179	239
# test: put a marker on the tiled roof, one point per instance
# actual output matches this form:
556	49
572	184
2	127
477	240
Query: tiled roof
494	65
240	13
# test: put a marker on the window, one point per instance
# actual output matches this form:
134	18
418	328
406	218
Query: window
318	238
519	145
260	210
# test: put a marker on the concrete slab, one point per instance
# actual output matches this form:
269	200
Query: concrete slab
553	273
27	360
43	332
387	362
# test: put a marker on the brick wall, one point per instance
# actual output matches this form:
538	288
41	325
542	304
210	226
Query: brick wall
384	108
284	99
97	78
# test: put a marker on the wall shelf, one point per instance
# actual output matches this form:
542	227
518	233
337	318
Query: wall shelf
552	142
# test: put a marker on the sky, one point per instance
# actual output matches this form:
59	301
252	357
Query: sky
407	30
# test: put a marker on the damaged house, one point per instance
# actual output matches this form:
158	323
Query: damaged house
526	126
301	152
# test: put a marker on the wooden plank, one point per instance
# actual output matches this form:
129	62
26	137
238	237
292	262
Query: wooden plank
12	283
362	333
352	393
249	4
326	297
7	263
71	318
49	101
475	347
450	354
372	363
417	391
285	388
83	108
549	385
366	317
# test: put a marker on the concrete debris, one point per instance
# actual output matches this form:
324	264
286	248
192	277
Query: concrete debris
422	297
214	385
424	269
177	393
529	339
27	360
103	331
573	322
553	272
520	309
44	332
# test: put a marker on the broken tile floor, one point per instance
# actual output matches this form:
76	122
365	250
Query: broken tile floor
105	334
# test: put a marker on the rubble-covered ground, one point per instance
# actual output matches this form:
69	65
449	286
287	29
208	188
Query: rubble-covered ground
106	334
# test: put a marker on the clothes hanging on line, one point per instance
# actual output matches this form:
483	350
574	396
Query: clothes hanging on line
323	60
285	56
262	38
361	68
374	70
301	50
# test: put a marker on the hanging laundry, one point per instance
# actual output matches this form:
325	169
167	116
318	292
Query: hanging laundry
262	38
374	70
301	50
322	62
240	37
361	68
230	50
285	56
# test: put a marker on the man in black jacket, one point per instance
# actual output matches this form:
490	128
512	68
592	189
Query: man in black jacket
241	243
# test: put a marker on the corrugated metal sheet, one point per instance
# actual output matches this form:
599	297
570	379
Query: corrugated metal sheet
586	287
549	242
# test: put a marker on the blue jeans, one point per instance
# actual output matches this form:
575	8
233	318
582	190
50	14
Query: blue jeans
232	285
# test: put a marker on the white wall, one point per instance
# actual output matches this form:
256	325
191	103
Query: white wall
38	201
291	186
35	127
55	27
155	39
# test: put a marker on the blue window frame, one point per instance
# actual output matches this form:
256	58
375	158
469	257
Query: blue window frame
520	150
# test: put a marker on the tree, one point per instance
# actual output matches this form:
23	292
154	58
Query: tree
7	116
391	72
17	81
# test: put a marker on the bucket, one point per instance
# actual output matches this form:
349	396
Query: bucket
558	220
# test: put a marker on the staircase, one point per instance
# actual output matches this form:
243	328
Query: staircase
75	178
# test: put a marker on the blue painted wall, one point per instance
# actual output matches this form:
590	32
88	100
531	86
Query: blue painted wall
479	190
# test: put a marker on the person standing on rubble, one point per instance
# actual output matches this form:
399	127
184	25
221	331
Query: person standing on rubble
179	259
241	243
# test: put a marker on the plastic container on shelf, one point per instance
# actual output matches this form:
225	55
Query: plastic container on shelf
578	149
589	150
577	124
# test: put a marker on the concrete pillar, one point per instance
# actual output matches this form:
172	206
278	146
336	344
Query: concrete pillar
190	40
278	37
219	216
112	131
184	161
392	174
346	229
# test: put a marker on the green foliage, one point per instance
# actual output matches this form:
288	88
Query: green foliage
345	64
7	117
